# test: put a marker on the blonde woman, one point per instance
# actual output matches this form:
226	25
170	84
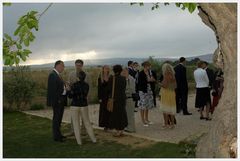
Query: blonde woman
168	98
103	81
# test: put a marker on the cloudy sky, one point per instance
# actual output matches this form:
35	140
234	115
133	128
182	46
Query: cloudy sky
107	30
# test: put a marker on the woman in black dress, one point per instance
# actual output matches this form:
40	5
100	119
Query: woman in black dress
104	114
118	117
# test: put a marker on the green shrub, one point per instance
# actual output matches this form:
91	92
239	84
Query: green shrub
18	88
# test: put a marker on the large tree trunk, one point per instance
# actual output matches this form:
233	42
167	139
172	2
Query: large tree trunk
222	19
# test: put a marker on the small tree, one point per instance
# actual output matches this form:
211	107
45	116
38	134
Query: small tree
18	88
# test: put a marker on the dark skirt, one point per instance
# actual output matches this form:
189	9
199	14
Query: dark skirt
202	97
104	114
118	118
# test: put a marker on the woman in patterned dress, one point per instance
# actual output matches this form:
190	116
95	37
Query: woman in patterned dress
146	94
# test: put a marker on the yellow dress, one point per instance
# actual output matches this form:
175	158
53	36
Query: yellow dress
168	101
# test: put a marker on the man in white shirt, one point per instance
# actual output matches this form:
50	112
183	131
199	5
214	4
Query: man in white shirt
203	93
56	97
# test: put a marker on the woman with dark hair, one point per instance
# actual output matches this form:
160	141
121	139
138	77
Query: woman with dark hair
104	114
118	117
145	92
217	89
79	107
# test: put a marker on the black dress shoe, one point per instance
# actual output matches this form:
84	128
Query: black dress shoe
208	119
187	113
59	140
63	137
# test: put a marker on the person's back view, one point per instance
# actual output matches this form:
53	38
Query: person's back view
118	118
79	105
182	87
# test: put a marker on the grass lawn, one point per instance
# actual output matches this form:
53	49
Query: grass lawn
26	136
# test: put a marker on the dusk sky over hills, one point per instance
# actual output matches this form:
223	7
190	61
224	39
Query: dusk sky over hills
112	30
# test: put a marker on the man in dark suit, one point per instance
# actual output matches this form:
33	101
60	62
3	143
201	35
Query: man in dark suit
182	87
153	85
210	73
56	97
131	70
211	78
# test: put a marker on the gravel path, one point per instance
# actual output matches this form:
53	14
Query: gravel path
188	126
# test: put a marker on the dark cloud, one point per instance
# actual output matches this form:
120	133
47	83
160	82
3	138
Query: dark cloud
114	30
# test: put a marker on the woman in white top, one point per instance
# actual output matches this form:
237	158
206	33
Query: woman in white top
203	93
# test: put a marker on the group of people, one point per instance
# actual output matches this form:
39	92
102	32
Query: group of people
131	90
207	81
75	88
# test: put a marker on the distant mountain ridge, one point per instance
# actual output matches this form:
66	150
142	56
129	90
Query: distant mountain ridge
122	61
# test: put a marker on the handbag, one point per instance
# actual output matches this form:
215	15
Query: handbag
135	97
111	100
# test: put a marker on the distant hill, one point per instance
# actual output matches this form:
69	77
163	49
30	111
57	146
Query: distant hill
122	61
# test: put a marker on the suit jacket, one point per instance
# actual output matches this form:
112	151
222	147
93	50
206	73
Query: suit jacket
132	72
55	89
181	77
153	84
142	82
211	77
79	92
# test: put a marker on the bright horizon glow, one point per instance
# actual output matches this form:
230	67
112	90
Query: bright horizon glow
64	56
90	55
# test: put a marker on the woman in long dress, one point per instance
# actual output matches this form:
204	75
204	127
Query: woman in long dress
118	117
168	101
103	81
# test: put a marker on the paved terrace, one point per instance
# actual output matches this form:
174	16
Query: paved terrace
188	126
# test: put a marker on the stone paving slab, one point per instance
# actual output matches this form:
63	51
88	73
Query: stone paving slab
188	126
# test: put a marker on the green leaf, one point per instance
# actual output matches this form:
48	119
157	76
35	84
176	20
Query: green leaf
19	46
32	23
192	7
26	42
17	31
11	62
23	56
7	61
17	60
178	4
186	5
31	36
7	37
5	51
22	20
26	52
24	29
7	4
36	28
32	13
